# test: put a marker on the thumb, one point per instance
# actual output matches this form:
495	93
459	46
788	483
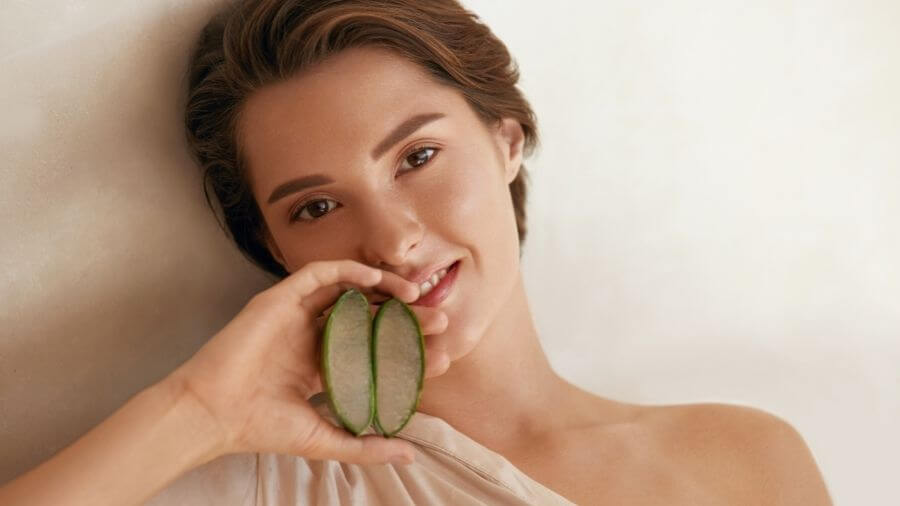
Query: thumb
332	443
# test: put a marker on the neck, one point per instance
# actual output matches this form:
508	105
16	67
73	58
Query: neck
504	388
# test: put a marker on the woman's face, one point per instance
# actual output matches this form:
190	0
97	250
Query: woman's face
366	157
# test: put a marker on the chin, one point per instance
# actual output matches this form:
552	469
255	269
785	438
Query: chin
467	327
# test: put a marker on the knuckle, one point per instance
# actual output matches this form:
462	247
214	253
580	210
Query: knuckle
314	265
317	275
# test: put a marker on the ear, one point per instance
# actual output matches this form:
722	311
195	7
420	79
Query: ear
511	139
273	248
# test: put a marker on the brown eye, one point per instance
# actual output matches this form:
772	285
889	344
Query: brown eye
419	158
314	210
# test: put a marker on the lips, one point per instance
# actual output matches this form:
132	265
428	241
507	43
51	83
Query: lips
433	281
440	291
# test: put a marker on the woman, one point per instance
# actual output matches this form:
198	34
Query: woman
379	144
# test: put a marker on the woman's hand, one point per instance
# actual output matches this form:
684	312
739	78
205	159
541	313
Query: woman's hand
254	377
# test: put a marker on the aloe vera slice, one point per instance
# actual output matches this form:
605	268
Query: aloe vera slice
398	353
347	361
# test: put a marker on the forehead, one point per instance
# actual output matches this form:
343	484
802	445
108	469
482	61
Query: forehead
337	111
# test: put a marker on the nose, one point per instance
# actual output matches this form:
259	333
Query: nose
392	230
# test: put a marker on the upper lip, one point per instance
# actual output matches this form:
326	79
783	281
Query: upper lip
420	276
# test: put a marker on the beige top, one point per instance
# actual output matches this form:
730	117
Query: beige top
450	468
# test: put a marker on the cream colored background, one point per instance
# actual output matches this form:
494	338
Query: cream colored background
713	216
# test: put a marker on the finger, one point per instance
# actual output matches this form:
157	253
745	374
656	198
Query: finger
393	285
431	320
437	360
322	300
390	285
333	443
315	275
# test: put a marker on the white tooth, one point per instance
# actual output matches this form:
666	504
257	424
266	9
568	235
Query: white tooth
425	288
442	272
434	279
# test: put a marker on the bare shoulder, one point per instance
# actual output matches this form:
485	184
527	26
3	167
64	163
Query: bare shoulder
745	454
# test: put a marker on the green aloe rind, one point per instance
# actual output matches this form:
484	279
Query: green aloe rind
357	409
342	358
408	366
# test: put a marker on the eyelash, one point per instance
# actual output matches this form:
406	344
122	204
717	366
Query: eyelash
295	214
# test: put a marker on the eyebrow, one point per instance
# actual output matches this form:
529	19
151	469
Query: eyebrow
299	184
402	131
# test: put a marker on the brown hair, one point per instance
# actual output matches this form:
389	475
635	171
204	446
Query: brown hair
253	43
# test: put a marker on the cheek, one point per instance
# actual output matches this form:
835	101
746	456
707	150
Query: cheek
464	202
474	210
473	200
307	246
